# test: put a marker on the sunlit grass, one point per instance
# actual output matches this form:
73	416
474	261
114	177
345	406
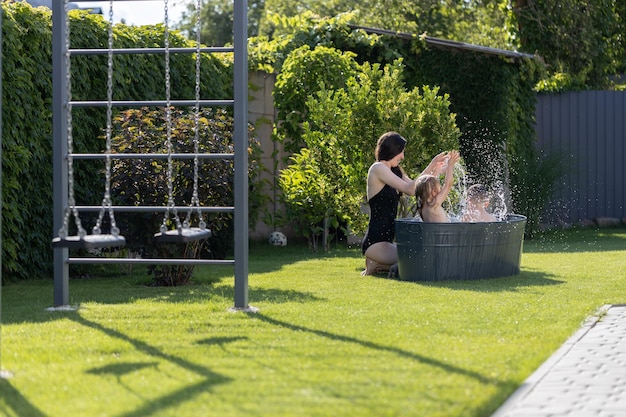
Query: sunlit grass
325	342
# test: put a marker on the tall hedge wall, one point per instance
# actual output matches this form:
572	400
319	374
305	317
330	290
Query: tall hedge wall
27	115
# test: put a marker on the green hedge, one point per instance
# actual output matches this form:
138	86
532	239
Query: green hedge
27	115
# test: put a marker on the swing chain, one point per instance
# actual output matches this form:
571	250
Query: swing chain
70	209
106	201
195	200
171	206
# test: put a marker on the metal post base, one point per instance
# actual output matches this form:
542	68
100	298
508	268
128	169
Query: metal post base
62	308
248	309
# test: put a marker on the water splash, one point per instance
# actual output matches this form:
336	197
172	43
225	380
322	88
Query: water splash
456	203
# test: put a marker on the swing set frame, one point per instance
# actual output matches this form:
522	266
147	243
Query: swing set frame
62	157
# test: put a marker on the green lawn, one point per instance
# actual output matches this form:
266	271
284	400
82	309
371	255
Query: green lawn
325	342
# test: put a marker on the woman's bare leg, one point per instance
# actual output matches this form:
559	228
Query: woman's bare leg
379	257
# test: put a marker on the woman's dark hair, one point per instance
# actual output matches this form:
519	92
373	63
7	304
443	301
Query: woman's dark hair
389	145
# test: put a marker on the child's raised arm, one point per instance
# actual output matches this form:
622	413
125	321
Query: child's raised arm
453	158
435	167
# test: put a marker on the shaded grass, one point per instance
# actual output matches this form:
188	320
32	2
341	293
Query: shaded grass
326	341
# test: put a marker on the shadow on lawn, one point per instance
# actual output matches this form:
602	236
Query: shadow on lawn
15	401
525	279
34	310
226	291
181	395
383	348
221	341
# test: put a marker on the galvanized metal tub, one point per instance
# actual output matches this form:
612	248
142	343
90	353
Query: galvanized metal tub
459	251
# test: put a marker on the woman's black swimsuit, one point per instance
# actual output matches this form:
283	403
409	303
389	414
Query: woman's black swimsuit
383	210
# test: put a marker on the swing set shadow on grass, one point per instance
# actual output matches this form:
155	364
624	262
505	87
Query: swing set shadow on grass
208	378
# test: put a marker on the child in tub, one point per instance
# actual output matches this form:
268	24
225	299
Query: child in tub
431	195
477	202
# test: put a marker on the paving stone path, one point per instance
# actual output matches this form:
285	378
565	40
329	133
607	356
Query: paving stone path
586	377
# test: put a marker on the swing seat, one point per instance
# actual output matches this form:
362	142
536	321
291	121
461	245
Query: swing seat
183	235
89	242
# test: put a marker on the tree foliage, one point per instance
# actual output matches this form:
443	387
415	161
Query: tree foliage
486	22
583	42
583	39
216	20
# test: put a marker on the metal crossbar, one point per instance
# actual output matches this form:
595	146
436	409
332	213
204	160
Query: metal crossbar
151	51
139	103
147	261
225	156
158	209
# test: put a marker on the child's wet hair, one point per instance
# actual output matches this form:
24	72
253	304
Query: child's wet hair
478	191
424	187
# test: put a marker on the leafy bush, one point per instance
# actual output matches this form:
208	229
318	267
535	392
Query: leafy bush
304	72
308	196
145	182
485	92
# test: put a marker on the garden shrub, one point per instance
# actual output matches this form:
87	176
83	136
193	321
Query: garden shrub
304	72
488	93
308	195
144	182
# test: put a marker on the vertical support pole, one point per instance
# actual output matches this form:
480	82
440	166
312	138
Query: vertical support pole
241	153
1	13
59	148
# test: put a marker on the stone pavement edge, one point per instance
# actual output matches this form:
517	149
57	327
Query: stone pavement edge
585	377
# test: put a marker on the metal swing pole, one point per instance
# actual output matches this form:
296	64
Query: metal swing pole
241	154
59	147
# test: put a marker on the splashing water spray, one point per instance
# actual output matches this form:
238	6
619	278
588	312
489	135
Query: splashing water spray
456	203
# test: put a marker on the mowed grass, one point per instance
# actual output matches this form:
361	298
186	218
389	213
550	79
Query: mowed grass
325	341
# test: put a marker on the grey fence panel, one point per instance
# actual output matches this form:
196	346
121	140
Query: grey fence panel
588	131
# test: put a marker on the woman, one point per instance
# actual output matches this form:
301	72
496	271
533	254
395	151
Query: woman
386	181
